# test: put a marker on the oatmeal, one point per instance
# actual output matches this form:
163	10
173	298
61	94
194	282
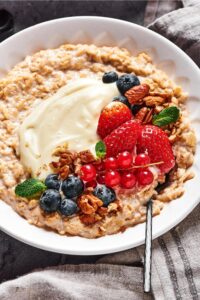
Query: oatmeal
36	99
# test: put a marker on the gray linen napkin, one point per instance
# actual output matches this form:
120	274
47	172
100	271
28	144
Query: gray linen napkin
176	263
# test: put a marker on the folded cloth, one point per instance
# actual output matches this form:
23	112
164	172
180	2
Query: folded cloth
175	262
181	26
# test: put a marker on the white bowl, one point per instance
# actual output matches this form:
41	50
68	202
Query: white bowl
105	31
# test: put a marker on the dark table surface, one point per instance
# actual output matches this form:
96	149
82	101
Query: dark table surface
17	258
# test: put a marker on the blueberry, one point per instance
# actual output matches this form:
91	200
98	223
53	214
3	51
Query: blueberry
52	182
68	207
72	187
126	82
123	100
109	77
107	195
135	108
50	200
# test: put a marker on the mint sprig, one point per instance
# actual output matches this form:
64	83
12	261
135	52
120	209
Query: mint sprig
30	188
166	116
100	149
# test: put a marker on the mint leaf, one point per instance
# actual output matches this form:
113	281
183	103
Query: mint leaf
100	149
166	116
30	188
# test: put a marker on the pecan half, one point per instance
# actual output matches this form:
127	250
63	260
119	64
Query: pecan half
145	115
88	203
137	93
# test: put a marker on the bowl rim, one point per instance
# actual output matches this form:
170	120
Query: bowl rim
128	245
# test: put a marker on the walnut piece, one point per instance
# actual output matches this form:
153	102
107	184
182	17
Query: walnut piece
88	203
86	156
90	219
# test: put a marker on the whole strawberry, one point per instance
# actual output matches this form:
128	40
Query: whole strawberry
112	116
123	138
155	141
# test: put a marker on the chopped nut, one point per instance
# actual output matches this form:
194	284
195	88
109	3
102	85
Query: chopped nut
90	219
77	165
102	211
153	100
86	156
137	93
64	172
60	149
88	203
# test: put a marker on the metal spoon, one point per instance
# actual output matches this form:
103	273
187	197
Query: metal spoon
148	249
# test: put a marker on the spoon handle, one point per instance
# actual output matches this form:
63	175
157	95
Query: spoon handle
148	249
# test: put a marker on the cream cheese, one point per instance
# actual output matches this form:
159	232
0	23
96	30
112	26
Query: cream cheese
71	115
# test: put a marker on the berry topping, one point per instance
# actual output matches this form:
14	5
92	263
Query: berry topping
112	178
155	142
92	184
101	179
128	180
124	160
52	182
123	100
123	138
88	172
110	163
126	82
107	195
142	159
50	200
109	77
67	207
144	176
135	108
112	116
72	187
100	167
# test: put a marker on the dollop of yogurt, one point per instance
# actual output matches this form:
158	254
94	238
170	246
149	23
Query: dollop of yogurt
69	116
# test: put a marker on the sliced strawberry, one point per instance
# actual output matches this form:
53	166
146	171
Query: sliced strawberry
112	116
155	141
123	138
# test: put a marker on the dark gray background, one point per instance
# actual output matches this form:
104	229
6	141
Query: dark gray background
17	258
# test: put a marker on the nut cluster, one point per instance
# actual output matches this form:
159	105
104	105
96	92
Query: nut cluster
92	210
149	101
69	162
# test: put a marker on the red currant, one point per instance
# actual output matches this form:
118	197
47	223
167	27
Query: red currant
101	179
144	177
92	184
110	163
128	180
88	172
124	159
100	167
112	178
142	159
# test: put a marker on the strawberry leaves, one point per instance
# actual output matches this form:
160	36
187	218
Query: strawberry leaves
166	116
100	149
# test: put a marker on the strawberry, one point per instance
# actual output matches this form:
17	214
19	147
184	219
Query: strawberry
123	138
155	141
112	116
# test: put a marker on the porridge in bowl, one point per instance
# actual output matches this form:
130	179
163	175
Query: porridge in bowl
88	135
